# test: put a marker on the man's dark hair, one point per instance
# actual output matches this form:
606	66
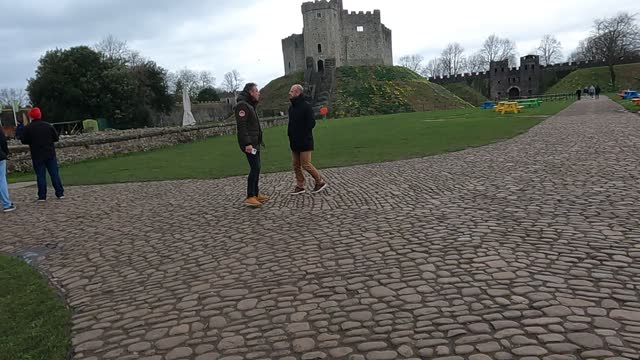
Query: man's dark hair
249	87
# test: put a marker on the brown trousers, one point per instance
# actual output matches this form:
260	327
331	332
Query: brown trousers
302	160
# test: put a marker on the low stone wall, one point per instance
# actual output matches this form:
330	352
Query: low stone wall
202	112
109	143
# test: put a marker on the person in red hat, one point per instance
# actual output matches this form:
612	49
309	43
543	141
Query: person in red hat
41	138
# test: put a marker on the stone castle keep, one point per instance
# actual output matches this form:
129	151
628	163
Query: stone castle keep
336	35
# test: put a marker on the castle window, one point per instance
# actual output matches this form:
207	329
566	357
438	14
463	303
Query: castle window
319	48
498	81
526	67
496	70
360	28
529	78
319	15
289	65
502	69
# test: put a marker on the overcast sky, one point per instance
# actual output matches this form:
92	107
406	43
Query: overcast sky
220	35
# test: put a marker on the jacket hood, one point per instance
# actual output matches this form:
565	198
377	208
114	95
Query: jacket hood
246	97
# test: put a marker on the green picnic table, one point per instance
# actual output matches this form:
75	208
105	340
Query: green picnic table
528	103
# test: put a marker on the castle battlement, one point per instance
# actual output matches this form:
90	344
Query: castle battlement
335	37
321	5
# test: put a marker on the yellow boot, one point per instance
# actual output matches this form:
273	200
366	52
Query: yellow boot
253	202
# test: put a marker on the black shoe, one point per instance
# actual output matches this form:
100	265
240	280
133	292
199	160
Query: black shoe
319	187
298	190
10	208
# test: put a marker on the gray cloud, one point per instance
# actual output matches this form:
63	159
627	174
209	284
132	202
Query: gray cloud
220	36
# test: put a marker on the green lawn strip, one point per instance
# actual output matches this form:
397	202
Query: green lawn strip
34	323
340	142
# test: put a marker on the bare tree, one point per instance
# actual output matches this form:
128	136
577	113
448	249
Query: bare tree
412	62
9	96
232	81
452	59
205	80
550	50
615	39
475	63
433	68
497	49
584	52
113	48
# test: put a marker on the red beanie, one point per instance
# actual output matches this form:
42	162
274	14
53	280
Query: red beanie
35	114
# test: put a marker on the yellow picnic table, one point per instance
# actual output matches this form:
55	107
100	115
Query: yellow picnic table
508	106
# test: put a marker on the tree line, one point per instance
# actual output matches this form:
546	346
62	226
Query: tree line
110	80
611	41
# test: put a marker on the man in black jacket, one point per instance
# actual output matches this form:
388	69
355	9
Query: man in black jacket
250	140
5	201
300	131
41	137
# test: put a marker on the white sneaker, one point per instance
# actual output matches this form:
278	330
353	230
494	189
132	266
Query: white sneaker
10	209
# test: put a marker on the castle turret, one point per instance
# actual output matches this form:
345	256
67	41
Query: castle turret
322	38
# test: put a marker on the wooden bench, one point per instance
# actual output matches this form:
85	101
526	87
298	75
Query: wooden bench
636	101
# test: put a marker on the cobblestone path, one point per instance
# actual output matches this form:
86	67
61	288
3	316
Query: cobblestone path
524	249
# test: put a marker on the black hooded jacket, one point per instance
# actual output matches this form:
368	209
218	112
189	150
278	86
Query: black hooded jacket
301	124
247	121
4	148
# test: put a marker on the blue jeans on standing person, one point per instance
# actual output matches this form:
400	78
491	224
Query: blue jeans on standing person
4	187
41	168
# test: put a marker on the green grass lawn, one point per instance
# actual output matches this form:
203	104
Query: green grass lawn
339	142
626	103
34	324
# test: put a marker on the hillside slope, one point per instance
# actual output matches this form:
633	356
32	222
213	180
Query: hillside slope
466	93
627	77
367	90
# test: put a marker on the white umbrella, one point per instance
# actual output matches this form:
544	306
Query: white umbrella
187	118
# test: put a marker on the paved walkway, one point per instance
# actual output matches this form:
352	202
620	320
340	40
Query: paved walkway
524	249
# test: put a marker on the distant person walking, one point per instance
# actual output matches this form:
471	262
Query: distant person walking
592	91
41	138
579	94
250	140
585	92
598	91
5	201
300	131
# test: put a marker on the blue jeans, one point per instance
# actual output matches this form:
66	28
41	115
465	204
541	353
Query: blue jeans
254	175
41	167
4	187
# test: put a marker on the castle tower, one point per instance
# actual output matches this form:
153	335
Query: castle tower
322	37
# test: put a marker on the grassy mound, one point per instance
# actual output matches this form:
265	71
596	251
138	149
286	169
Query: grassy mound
466	92
373	90
627	77
274	97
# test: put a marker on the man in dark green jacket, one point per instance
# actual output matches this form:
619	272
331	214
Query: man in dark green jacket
250	140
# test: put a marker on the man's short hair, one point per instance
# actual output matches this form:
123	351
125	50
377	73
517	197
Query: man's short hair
249	87
299	88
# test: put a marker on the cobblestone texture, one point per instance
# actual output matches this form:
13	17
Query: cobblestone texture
528	248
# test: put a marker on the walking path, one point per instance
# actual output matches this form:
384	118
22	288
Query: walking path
524	249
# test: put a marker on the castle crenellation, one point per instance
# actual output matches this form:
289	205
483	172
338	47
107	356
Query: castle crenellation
529	79
330	32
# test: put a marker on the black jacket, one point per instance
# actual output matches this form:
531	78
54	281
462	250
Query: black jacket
4	148
247	121
40	136
301	124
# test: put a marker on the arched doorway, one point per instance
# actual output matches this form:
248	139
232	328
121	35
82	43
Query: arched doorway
514	93
320	66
